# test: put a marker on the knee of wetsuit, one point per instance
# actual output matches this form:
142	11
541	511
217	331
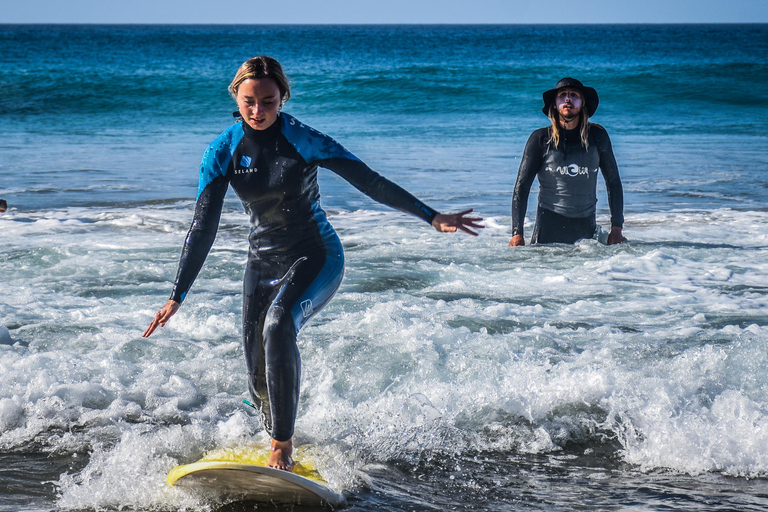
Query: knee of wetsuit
279	329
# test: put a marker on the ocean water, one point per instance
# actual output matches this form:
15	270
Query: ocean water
449	372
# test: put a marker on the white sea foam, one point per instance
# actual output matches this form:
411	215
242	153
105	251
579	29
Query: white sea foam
435	344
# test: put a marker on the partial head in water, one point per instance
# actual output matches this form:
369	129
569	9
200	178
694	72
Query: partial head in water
260	89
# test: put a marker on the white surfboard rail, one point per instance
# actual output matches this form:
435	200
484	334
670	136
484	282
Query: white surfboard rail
252	482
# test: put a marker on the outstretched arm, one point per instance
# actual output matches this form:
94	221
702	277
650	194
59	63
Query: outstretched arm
386	192
319	149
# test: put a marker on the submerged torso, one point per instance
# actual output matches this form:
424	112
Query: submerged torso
568	177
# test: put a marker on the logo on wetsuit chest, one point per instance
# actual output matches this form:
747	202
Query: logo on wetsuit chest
245	162
570	170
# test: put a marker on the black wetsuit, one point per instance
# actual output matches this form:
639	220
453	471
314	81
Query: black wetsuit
567	185
295	259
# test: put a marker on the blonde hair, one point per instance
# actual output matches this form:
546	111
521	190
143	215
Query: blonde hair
554	130
260	67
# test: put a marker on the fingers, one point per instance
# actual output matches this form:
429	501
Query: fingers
614	241
462	216
472	223
158	320
451	223
465	226
150	329
162	317
465	223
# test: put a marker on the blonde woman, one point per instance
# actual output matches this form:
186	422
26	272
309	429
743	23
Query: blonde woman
295	259
565	157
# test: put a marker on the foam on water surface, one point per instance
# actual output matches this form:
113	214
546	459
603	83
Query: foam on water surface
434	346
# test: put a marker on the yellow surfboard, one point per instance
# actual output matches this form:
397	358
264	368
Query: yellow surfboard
241	473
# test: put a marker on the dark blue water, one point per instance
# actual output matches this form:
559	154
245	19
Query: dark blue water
459	375
136	103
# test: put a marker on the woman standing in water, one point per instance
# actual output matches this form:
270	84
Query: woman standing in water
566	156
295	259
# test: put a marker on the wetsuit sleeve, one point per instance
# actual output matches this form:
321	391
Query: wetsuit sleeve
610	171
319	149
533	156
378	188
201	235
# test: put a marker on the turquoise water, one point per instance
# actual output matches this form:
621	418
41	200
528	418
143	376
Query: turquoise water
449	373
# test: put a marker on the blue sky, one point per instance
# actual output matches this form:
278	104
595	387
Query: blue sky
387	11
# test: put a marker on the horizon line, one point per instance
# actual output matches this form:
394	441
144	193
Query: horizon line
112	23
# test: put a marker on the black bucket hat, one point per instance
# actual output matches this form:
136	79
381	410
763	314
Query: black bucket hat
590	95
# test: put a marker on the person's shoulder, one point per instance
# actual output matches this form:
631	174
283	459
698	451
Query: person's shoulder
228	139
219	152
311	144
290	126
539	136
598	130
232	131
599	135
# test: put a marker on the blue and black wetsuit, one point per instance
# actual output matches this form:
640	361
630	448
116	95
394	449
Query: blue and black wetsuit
567	185
295	259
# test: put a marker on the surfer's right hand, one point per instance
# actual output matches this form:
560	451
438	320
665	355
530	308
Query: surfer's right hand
162	317
451	222
517	241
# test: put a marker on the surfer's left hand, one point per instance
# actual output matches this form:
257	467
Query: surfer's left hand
162	317
450	222
615	236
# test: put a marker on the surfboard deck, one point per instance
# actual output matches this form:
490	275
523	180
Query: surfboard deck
242	475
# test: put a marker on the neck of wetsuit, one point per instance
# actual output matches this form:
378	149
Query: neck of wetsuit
262	135
571	136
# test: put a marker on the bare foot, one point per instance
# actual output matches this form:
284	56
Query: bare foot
281	455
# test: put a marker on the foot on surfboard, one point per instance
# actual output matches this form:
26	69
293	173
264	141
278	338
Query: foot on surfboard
280	456
239	473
